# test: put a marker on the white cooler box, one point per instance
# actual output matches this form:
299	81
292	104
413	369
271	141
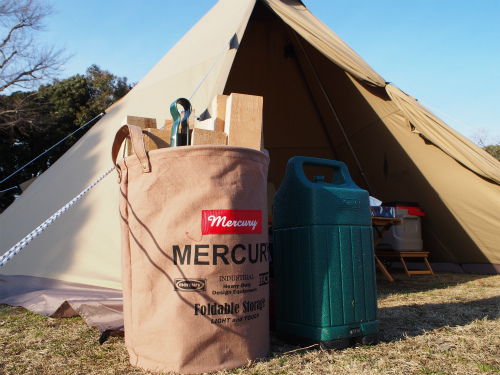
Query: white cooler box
408	236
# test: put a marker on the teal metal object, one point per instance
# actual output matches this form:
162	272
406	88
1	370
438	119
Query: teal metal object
174	135
324	269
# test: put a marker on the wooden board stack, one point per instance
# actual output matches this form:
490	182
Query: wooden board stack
236	121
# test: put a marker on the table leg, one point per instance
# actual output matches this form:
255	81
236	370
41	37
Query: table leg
404	265
383	269
428	265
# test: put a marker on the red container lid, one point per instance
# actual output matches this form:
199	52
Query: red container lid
412	207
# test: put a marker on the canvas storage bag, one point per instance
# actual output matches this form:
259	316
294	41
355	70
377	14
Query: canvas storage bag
194	255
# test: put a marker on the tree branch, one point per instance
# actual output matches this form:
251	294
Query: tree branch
22	62
8	59
11	31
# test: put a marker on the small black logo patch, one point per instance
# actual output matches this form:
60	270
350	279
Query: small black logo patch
190	285
263	278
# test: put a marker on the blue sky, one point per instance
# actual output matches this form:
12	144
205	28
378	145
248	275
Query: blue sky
445	53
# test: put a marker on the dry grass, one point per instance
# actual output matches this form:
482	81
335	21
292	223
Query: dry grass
443	324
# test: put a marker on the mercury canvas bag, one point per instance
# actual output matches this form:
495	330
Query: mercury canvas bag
194	255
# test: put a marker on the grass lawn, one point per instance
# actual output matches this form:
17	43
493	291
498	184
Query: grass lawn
442	324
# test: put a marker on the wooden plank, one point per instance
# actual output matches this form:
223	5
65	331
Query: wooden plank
191	119
168	124
219	112
156	138
207	124
243	123
143	123
208	137
191	122
378	220
410	272
386	223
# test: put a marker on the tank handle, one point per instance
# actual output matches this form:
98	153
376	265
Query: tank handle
340	172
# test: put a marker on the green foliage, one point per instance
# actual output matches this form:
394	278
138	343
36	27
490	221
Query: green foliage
493	150
32	122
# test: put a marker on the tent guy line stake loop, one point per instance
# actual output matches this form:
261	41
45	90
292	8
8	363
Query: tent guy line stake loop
26	240
43	153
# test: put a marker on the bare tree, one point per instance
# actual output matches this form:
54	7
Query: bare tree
487	143
24	63
482	138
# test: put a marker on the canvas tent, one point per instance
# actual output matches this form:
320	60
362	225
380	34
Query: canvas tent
320	99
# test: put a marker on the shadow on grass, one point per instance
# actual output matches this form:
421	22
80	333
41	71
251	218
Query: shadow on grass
403	284
398	322
415	319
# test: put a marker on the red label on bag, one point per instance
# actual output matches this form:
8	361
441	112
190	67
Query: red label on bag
231	221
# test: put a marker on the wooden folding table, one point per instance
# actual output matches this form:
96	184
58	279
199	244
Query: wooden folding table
407	254
382	225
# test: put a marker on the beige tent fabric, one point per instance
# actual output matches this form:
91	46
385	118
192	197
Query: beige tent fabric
444	137
83	245
299	121
462	207
190	63
99	307
296	15
459	225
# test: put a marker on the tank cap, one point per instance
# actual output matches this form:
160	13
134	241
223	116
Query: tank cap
319	178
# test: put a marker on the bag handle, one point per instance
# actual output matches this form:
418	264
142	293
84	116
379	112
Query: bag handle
137	139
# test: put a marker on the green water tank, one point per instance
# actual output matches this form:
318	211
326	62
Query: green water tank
324	269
